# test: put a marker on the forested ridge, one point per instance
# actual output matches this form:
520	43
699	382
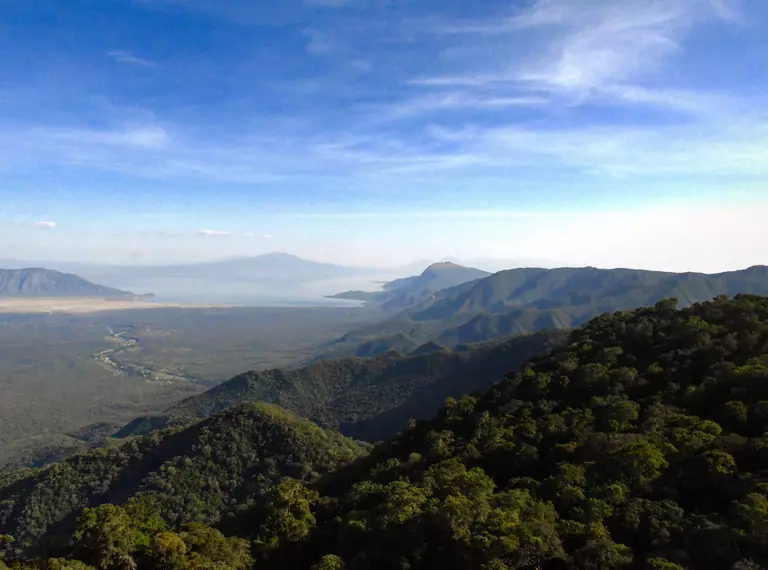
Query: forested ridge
526	300
639	444
194	474
365	398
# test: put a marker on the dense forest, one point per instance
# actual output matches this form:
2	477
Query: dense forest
365	398
638	444
193	475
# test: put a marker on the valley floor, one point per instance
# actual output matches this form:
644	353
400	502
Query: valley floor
67	377
80	305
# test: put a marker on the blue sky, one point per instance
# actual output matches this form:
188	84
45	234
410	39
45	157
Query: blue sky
603	132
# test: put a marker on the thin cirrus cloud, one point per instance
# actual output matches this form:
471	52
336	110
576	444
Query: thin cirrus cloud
737	147
36	225
231	234
128	58
587	47
215	233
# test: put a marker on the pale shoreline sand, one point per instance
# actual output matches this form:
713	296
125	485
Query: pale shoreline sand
81	305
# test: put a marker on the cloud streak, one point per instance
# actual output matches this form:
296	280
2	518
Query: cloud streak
737	146
127	58
215	233
231	234
36	225
584	48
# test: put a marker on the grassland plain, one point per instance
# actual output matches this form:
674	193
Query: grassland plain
55	393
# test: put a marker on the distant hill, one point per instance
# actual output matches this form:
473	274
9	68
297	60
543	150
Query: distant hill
195	474
36	282
436	277
365	398
521	301
401	294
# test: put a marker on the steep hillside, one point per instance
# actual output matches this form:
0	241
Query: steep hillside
35	282
521	301
365	398
194	474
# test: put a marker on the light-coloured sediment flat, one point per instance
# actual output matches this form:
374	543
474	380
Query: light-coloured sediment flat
83	305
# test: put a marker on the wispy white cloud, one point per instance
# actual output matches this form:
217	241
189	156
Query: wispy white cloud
232	234
215	233
606	42
126	57
147	136
738	149
733	147
38	225
454	101
257	235
318	41
585	48
428	215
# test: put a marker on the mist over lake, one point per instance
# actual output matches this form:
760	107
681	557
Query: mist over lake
238	292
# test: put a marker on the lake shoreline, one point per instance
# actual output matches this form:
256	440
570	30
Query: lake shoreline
85	305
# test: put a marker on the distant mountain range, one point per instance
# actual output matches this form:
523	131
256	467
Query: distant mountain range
530	299
364	398
265	268
271	267
489	264
281	267
37	282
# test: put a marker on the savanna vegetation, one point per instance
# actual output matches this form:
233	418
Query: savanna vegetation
55	398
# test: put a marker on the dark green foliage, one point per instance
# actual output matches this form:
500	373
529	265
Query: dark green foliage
609	453
285	514
364	398
205	543
109	538
105	535
194	474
